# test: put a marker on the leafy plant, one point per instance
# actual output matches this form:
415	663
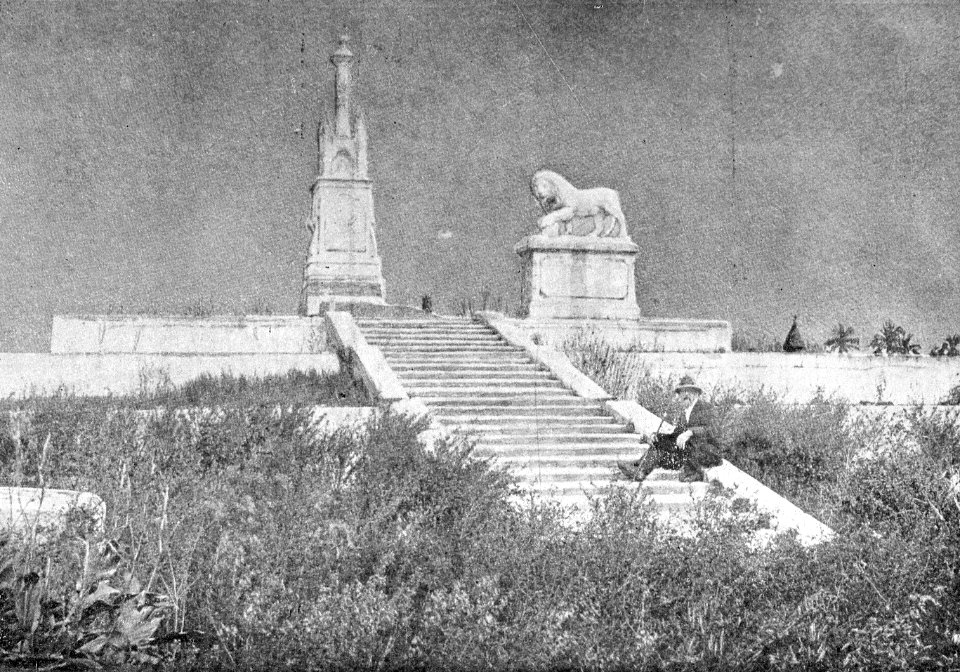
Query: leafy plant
842	340
63	600
893	340
949	348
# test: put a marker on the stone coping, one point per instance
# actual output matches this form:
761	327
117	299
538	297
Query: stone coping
575	244
366	361
224	318
658	323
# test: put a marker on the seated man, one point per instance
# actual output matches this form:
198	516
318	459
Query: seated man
691	446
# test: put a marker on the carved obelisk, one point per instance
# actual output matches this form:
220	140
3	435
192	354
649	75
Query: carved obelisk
343	265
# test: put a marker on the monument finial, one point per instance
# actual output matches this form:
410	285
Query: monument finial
342	59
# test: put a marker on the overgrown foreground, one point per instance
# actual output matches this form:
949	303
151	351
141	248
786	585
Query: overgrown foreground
252	543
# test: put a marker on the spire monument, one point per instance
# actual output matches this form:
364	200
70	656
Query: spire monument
343	265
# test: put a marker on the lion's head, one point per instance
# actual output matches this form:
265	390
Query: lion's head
544	189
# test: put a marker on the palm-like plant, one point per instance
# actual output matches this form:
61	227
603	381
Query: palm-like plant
907	347
953	345
949	348
894	340
888	340
842	339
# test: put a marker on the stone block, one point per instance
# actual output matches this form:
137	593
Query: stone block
643	334
44	511
577	277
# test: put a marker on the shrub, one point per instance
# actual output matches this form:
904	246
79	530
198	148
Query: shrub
790	447
599	359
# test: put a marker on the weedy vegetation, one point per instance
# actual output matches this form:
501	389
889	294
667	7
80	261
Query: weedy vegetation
249	540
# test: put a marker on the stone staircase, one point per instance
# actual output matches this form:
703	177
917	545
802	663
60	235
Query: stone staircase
560	446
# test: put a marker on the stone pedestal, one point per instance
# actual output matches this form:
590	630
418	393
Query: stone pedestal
343	265
577	277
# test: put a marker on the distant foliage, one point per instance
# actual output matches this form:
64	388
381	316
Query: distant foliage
949	348
743	342
894	340
467	306
200	307
259	306
842	340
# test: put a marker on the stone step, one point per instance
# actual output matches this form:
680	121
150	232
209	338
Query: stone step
559	471
400	362
490	393
560	438
560	456
396	322
459	349
530	429
564	405
483	368
550	467
508	386
476	376
417	328
460	342
496	418
433	336
499	353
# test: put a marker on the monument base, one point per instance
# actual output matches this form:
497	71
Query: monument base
643	334
326	284
577	277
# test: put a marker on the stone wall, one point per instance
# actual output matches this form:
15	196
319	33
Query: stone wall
797	377
102	374
645	333
215	334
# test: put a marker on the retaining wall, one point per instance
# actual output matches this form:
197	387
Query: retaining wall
103	374
182	334
798	377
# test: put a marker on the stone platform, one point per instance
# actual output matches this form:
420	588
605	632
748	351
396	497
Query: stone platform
215	334
184	334
641	334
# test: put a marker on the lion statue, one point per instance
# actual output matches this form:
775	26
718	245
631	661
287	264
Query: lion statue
571	211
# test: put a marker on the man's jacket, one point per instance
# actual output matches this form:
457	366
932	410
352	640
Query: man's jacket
701	424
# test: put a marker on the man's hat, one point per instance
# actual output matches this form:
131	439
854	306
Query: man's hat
686	383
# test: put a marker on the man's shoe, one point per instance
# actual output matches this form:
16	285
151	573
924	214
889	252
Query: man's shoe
631	471
690	474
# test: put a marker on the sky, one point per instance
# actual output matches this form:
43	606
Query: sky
772	158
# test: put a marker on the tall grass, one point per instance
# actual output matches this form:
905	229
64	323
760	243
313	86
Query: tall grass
292	389
250	541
